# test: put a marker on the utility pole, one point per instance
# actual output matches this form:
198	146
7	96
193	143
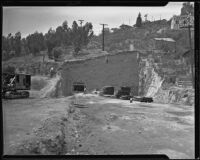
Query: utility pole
145	17
103	36
81	21
189	26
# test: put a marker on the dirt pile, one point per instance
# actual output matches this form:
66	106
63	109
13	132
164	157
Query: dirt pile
47	139
57	135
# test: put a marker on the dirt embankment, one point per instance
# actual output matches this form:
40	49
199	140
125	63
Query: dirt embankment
44	87
175	95
57	135
153	85
47	139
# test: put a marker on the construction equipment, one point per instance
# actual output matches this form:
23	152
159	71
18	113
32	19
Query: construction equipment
15	85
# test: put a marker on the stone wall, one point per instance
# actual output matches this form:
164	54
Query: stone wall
112	70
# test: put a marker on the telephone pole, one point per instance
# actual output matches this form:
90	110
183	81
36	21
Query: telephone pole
103	36
81	21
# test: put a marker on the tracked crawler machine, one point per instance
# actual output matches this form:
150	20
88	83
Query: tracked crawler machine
15	85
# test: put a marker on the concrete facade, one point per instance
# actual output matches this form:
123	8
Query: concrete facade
120	69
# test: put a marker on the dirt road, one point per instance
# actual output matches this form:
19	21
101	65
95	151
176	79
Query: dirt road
98	125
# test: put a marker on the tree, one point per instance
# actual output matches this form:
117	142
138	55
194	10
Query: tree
139	21
5	44
51	41
65	26
10	39
87	33
76	37
115	30
17	43
59	35
57	53
5	48
63	35
25	46
9	46
81	35
125	27
187	9
66	34
35	43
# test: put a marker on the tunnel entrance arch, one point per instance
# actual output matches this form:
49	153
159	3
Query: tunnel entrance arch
78	87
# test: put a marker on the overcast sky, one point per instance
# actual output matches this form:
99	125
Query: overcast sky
27	20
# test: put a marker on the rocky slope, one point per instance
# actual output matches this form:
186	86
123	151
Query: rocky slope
153	84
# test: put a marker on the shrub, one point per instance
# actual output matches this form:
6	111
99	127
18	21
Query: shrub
9	69
57	52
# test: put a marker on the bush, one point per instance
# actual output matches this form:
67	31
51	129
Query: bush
57	52
9	69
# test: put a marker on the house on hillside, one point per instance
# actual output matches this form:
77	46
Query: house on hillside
165	44
162	30
116	69
178	21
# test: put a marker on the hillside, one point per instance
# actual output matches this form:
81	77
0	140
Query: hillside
143	38
121	39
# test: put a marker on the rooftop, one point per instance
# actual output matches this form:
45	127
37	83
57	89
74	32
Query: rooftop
165	39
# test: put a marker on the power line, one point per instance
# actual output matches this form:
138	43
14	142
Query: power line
103	36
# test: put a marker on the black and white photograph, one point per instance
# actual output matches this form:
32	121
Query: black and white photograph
99	80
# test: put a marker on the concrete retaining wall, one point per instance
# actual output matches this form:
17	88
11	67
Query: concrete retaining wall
112	70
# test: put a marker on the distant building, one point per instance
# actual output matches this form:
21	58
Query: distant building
179	21
165	44
162	30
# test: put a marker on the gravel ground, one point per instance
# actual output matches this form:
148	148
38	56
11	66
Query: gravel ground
97	125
